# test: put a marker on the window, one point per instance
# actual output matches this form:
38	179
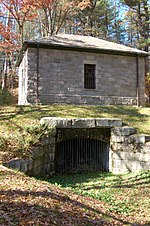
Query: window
89	76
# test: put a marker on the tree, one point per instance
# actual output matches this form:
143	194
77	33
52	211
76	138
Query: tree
139	14
147	85
138	18
24	19
52	14
21	11
8	38
18	12
7	48
94	19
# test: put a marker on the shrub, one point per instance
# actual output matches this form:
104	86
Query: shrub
5	97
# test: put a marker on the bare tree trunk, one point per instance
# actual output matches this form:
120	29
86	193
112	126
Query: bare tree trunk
4	81
4	76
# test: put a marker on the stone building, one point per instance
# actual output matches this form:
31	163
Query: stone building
80	70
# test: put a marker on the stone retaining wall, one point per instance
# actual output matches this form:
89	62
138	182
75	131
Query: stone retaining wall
129	151
41	162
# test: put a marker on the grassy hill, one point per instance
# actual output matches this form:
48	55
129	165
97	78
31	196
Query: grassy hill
20	129
80	200
91	199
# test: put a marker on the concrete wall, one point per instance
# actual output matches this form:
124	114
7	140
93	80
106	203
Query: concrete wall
61	78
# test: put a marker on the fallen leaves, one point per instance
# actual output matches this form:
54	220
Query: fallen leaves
27	201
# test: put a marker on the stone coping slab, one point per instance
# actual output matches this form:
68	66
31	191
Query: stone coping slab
140	138
81	122
123	131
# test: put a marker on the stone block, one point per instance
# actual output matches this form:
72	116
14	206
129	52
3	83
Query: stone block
46	150
122	155
120	171
52	166
36	171
146	166
146	148
108	122
56	122
30	164
117	139
37	152
140	138
123	131
24	166
147	138
123	166
51	148
114	146
45	140
144	157
51	140
83	123
14	163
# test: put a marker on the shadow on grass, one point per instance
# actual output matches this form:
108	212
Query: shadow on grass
125	112
141	184
55	110
74	180
53	206
102	180
34	112
65	211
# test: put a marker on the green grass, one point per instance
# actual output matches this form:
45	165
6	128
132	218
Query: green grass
123	194
19	125
81	199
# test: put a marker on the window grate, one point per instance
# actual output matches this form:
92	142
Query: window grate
89	76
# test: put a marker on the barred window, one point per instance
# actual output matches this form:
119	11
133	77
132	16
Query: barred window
89	76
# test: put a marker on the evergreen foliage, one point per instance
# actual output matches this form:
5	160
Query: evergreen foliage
5	97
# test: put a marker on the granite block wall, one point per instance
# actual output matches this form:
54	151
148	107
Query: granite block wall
42	161
128	150
61	78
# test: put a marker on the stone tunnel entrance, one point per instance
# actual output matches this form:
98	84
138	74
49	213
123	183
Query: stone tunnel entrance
86	145
82	150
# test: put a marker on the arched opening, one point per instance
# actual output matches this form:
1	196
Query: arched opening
81	154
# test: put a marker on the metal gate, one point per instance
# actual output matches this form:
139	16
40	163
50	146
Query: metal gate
81	155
